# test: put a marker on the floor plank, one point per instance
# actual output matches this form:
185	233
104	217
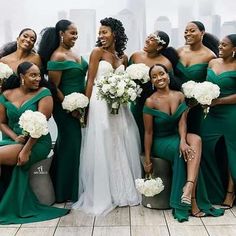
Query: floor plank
149	230
73	231
36	231
112	231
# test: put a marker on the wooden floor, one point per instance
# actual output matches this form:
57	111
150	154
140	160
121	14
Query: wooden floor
127	221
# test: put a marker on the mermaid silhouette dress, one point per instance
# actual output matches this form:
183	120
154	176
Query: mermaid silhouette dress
110	155
165	145
66	160
19	204
219	125
197	73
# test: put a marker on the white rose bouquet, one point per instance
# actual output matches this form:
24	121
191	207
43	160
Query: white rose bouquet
5	73
117	89
33	123
76	101
149	187
138	72
203	93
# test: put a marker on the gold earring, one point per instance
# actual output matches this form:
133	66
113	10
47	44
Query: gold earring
233	54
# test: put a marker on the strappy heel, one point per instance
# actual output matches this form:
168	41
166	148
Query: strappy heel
186	199
199	213
229	205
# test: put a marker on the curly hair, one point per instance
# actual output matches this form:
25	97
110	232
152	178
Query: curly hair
50	41
11	47
119	31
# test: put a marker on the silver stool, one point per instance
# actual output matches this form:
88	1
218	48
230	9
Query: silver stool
41	182
161	168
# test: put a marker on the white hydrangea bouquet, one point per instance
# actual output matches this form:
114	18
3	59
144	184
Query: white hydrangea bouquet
33	123
138	72
203	93
76	101
149	186
5	73
117	89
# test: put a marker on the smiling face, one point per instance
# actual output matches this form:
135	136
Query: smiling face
151	44
26	40
192	34
106	36
226	48
32	78
159	77
69	36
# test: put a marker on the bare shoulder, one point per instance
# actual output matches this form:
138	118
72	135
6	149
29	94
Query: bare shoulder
7	59
181	49
178	95
58	56
150	102
124	59
35	58
213	62
209	54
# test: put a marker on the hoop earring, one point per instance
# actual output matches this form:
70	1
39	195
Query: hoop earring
233	54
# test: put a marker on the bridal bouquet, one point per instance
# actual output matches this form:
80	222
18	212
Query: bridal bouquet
117	89
5	73
149	187
33	123
76	101
203	93
139	72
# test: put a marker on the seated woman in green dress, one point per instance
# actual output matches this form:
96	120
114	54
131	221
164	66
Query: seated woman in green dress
66	70
218	129
165	114
19	204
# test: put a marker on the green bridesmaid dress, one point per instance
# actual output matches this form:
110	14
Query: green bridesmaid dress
19	204
197	73
219	124
65	166
166	146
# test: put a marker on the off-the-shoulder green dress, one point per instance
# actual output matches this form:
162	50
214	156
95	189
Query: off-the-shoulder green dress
166	146
219	125
19	204
65	166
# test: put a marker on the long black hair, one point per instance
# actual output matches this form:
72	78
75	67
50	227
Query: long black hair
11	47
119	32
50	41
209	40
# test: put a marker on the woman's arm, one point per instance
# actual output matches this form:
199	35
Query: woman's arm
148	136
45	106
231	99
55	78
94	59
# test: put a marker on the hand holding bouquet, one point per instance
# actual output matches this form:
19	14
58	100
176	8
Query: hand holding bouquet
203	93
33	123
76	101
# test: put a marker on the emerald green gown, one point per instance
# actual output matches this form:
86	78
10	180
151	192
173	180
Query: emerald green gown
19	204
219	123
65	166
165	145
197	73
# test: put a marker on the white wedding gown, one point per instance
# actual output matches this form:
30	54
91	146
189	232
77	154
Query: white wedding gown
109	156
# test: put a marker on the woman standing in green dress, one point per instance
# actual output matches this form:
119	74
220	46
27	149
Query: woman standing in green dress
165	114
19	204
219	126
67	72
193	61
155	51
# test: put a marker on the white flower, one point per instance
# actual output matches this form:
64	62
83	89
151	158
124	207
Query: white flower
5	71
205	92
188	88
75	101
138	72
34	123
149	187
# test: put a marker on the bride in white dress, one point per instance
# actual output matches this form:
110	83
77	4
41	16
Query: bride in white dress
110	147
